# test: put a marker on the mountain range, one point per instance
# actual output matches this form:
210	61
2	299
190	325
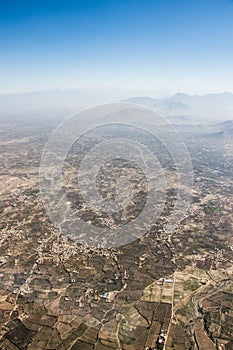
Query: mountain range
180	108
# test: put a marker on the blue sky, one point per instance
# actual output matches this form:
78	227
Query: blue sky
159	45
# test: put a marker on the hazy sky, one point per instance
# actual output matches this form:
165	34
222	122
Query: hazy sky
158	45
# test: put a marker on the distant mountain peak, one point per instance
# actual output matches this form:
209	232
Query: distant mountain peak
181	94
142	100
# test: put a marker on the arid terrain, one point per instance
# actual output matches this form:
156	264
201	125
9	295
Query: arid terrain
162	291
